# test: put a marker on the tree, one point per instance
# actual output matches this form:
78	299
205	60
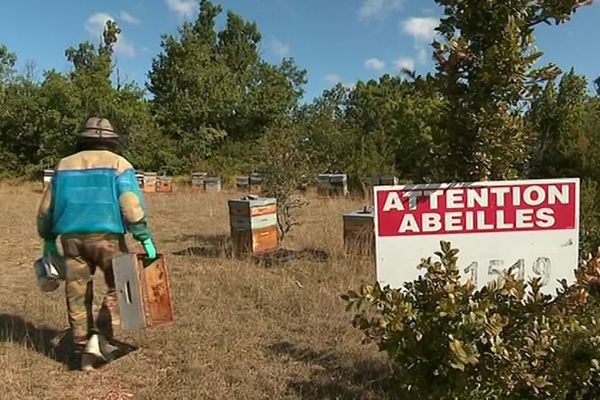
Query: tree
485	72
558	117
286	164
7	64
210	85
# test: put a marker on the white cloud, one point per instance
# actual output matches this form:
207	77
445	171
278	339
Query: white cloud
375	64
374	8
125	48
403	63
422	29
130	19
333	78
95	26
184	8
280	49
96	22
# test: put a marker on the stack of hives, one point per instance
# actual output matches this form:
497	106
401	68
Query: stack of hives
359	233
251	183
253	223
333	185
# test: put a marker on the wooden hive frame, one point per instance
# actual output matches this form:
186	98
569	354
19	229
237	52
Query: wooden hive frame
143	291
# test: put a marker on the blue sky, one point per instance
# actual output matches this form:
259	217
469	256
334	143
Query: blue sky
335	40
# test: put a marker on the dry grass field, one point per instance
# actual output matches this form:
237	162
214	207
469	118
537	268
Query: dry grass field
242	331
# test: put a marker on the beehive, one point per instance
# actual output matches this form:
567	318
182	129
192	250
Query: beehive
333	185
242	182
164	184
388	180
381	180
150	182
253	224
143	291
256	181
139	177
212	184
198	180
48	174
359	233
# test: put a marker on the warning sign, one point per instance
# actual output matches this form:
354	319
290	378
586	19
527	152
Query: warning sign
531	225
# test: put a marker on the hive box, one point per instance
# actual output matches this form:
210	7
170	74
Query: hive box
333	185
212	184
256	180
48	174
381	180
359	233
253	224
150	180
164	184
198	180
242	182
139	177
143	291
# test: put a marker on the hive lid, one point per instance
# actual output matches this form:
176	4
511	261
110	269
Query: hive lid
252	201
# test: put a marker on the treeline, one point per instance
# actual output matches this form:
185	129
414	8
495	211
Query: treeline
212	103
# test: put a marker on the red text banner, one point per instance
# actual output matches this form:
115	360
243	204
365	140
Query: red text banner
476	208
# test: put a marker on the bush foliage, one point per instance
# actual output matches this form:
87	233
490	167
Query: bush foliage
509	340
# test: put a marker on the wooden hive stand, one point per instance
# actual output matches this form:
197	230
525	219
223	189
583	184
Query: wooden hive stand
253	223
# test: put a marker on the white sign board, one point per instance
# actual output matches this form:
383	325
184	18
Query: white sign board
532	225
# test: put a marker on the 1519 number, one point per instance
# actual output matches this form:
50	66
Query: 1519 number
541	267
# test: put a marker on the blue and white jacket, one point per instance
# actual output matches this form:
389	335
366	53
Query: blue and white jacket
93	192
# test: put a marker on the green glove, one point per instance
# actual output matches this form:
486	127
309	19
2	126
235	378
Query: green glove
149	248
50	249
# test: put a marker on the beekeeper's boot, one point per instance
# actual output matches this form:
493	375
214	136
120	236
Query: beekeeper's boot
97	349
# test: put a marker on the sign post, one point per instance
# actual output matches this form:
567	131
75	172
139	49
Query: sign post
532	226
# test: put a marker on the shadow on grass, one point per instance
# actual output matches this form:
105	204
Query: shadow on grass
54	344
338	376
208	246
216	246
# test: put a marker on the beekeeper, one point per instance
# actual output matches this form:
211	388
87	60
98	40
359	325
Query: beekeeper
92	201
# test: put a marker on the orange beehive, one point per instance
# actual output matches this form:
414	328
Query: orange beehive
150	180
164	184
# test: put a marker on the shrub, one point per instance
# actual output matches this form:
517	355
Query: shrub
448	340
